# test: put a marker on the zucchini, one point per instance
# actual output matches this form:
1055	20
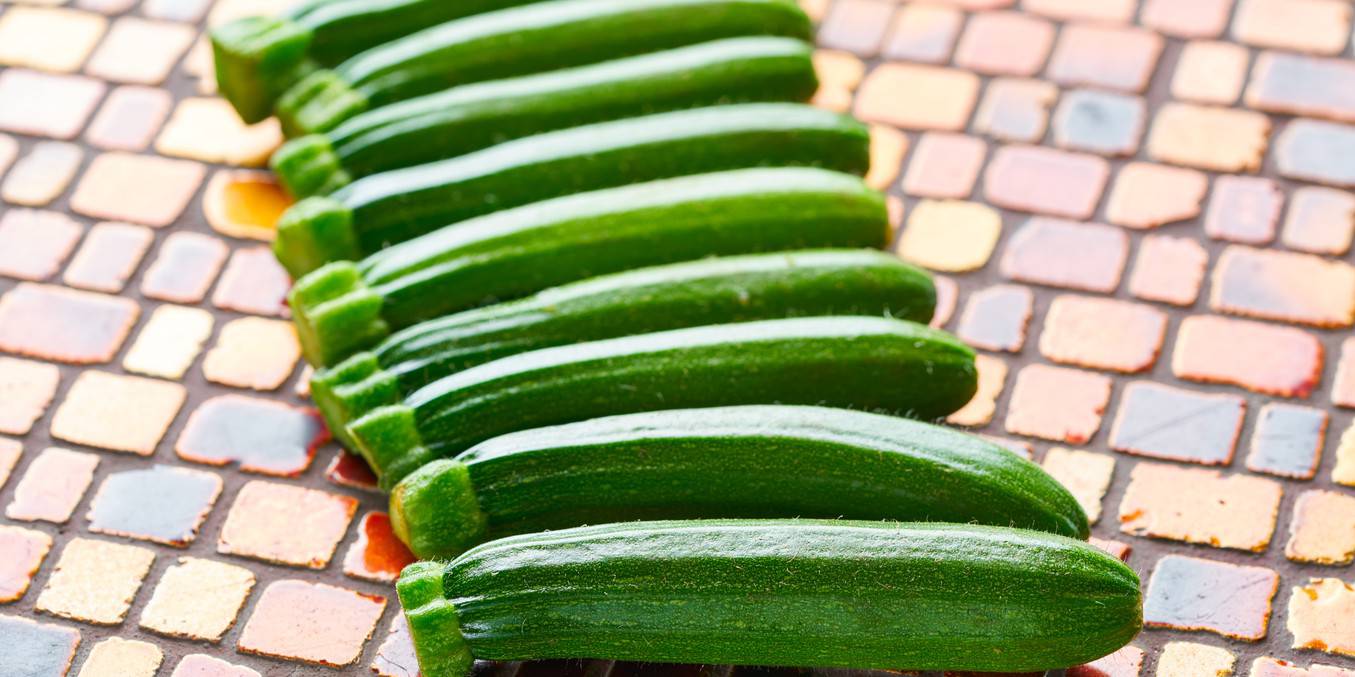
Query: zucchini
522	40
712	291
471	117
387	208
751	461
866	363
775	592
257	58
345	306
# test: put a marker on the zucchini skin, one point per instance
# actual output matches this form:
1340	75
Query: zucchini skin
696	293
866	363
512	253
726	462
818	593
476	116
516	41
387	208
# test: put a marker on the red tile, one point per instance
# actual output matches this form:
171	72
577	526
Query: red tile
1102	56
1244	209
1117	549
253	282
1188	593
1160	421
1343	386
1045	181
24	551
184	269
311	622
1259	357
1059	404
1284	286
63	325
922	32
915	96
1147	195
944	166
1015	110
52	486
857	26
377	555
996	318
263	436
1287	441
108	257
1101	333
1317	26
1127	662
33	243
1206	137
1099	122
42	104
1317	151
1303	85
347	469
1168	270
1194	19
1004	43
1083	256
1320	221
129	118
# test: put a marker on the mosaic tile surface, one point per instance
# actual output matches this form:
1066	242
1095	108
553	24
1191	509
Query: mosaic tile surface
1141	212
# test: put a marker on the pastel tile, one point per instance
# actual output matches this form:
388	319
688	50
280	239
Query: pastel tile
837	69
43	174
1004	43
1265	666
118	657
116	412
1202	506
108	256
1188	659
1195	19
947	295
1205	137
887	147
1147	195
52	486
1295	84
253	282
202	665
1066	254
1101	333
1021	448
197	599
263	436
1189	593
28	35
38	649
1127	662
1322	530
1343	386
950	236
1287	441
1244	209
1015	110
64	325
95	581
184	268
1058	404
1045	181
995	318
140	51
944	166
187	11
1344	471
26	389
1317	26
209	130
1210	72
915	96
1117	58
24	551
1086	474
137	188
1104	123
170	341
979	411
1284	286
923	32
856	26
33	243
286	524
253	352
1322	616
348	469
377	555
311	623
42	104
109	7
10	451
162	504
247	204
9	149
129	118
1319	221
395	657
1317	151
1161	421
1106	11
1262	358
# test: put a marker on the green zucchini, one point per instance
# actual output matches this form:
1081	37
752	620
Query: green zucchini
345	306
387	208
865	363
471	117
522	40
817	593
697	293
750	461
257	58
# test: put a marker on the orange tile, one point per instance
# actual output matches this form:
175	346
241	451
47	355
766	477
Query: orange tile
185	267
1210	72
1322	616
1004	43
944	166
1322	530
1086	474
117	412
1059	404
24	551
1317	26
1101	333
347	469
285	524
1259	357
1147	195
107	258
311	622
917	97
377	555
1104	56
1218	139
1067	254
63	325
41	104
1195	505
1284	286
1045	181
118	657
26	389
253	352
138	188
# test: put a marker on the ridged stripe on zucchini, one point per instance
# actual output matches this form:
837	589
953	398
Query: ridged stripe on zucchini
387	208
471	117
724	462
866	363
521	40
697	293
257	58
776	592
345	306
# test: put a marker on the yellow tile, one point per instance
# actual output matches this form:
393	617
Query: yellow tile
197	599
95	581
140	51
887	146
1344	472
917	97
1323	528
26	388
1322	616
244	204
50	39
1210	72
1188	659
252	352
170	341
1221	139
117	657
950	236
121	413
1086	474
209	130
979	411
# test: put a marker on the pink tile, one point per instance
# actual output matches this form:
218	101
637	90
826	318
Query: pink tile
42	104
1045	181
1168	270
33	244
52	486
1101	333
1194	19
857	26
1260	357
1004	43
253	282
129	118
1058	404
311	622
944	165
1058	253
108	257
64	325
1103	56
1244	209
184	269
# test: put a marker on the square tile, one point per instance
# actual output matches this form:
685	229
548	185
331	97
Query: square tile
52	486
184	268
1004	43
857	26
1201	506
63	325
26	388
1086	474
170	341
916	96
1189	593
161	504
118	657
43	174
395	657
129	118
1317	26
311	622
1101	333
1188	659
1313	150
1284	286
253	352
116	412
1262	358
253	282
209	130
140	51
95	581
1204	137
1322	530
1066	254
197	599
1045	181
1015	110
108	257
1287	441
1058	404
1104	56
922	32
1210	72
1282	82
950	236
1319	221
263	436
980	408
33	243
202	665
28	36
1195	19
1099	122
143	189
1147	195
377	555
1168	270
286	524
1322	616
24	551
42	104
1244	209
41	649
247	204
1161	421
995	318
944	166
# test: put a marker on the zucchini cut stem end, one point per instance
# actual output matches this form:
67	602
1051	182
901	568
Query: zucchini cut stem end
388	437
336	313
433	624
435	511
318	103
257	59
309	166
313	232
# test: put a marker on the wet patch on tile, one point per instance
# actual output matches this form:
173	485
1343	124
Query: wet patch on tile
856	26
209	130
286	524
1188	659
1127	662
184	269
1101	333
1205	137
40	649
1284	286
1302	85
197	599
1086	474
1322	616
923	33
168	344
1104	56
377	555
1160	421
64	325
395	657
263	436
28	35
979	411
917	96
1067	254
944	166
95	581
24	551
246	204
1099	122
1322	530
142	189
1059	404
1262	358
1004	43
1343	386
161	503
202	665
347	469
26	389
1312	150
1168	270
140	51
1287	441
1188	593
129	118
118	657
1319	221
950	235
33	244
253	352
311	623
996	318
1201	506
118	413
1015	110
1045	181
42	175
1210	72
42	104
253	282
1243	209
108	257
52	486
1317	26
1147	195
